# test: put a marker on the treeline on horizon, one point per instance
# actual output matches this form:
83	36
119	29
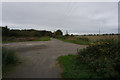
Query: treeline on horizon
6	32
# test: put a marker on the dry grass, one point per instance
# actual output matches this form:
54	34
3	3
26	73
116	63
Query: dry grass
75	40
94	38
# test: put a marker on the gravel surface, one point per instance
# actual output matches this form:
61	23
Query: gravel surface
39	58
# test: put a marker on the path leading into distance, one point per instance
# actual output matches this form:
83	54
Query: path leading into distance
39	58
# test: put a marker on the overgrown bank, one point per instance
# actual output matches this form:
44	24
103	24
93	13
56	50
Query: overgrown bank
17	35
73	69
9	60
75	40
101	58
23	39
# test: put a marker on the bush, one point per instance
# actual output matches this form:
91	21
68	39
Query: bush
59	37
8	58
103	57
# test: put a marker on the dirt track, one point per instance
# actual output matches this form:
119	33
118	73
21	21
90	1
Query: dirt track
39	58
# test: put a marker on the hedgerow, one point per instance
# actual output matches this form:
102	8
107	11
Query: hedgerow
102	57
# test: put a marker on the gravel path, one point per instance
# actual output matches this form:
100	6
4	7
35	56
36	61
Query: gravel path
39	58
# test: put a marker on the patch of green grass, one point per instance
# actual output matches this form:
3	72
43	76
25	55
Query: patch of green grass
44	39
76	41
72	68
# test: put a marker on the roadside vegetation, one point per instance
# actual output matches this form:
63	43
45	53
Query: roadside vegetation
101	58
86	39
23	39
73	69
6	32
13	35
44	39
9	60
93	38
16	35
75	40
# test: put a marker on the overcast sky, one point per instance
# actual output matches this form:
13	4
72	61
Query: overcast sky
76	17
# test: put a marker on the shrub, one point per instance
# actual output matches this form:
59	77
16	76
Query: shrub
59	37
103	57
8	58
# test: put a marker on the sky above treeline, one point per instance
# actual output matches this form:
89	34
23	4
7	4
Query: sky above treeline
75	17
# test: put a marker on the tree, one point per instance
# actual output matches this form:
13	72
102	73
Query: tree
72	35
5	31
57	33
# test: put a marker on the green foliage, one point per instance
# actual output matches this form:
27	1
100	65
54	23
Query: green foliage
102	57
6	32
11	35
59	37
44	39
71	39
57	33
72	69
8	58
77	42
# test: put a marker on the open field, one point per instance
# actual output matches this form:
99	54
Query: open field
75	41
86	40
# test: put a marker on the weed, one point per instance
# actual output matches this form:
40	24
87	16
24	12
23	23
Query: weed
103	57
9	58
72	69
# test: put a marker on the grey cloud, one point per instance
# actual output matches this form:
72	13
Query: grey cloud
76	17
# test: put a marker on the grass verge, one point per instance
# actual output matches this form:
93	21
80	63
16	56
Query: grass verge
9	60
72	69
43	39
76	41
